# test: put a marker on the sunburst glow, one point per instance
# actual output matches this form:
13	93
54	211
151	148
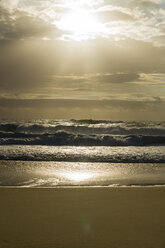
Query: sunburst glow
79	22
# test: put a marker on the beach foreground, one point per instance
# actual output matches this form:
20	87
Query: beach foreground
82	217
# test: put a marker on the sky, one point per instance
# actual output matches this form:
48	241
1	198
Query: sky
99	59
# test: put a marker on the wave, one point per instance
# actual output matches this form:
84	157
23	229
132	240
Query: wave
8	127
62	138
85	127
132	154
82	133
90	129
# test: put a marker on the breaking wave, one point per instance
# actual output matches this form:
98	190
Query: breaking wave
82	133
64	138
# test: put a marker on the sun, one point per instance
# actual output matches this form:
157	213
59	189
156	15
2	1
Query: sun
79	22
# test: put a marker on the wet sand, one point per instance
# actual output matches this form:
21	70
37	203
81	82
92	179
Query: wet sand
82	217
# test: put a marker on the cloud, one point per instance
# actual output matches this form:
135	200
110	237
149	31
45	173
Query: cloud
104	109
129	55
24	65
159	40
100	78
20	25
125	63
117	78
34	66
113	15
145	4
157	99
36	19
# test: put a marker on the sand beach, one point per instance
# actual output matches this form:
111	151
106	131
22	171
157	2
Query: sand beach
102	217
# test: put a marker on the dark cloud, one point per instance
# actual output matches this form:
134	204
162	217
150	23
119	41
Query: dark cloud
117	78
20	25
62	103
24	65
104	109
144	4
157	99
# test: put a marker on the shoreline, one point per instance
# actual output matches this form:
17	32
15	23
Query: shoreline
84	187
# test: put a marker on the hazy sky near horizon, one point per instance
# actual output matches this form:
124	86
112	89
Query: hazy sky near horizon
82	59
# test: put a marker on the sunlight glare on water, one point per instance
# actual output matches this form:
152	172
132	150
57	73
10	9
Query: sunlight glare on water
52	174
77	176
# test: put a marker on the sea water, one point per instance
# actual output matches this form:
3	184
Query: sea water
57	153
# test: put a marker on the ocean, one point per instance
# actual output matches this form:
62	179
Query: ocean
73	153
